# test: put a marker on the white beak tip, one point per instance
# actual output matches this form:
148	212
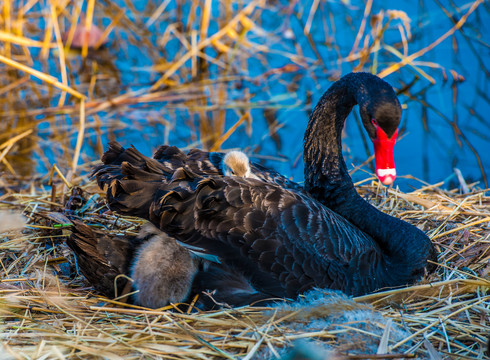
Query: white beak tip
386	176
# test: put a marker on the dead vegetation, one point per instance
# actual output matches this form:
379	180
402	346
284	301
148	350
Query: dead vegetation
50	311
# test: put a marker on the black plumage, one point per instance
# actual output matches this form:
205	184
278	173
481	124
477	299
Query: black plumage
167	160
282	238
102	257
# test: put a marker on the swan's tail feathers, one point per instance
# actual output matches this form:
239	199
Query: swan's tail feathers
116	155
113	154
171	154
131	180
120	163
136	184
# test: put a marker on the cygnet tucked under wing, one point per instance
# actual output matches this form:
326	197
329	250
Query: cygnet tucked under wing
237	163
162	272
161	269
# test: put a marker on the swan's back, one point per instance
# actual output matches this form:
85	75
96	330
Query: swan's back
284	241
168	159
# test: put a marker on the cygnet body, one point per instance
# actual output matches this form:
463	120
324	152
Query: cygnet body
162	271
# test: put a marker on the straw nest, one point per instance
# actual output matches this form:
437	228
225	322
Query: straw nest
48	311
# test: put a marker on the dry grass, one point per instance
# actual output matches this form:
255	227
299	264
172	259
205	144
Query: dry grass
49	311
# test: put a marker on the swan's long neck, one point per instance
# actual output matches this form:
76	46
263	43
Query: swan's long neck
327	178
324	164
326	175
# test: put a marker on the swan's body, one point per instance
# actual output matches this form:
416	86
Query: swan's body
282	239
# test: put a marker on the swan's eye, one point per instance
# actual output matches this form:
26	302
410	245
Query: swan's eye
374	122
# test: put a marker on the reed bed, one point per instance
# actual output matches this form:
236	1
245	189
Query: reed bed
48	311
192	70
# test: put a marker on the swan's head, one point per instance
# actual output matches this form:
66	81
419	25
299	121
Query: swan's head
381	119
237	163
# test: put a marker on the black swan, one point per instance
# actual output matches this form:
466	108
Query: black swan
283	239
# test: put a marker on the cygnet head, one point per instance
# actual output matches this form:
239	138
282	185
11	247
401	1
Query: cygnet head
237	163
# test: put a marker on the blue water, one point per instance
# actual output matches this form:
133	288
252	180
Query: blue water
428	154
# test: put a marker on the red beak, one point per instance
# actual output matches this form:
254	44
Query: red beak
383	156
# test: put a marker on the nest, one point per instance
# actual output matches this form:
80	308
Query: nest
49	311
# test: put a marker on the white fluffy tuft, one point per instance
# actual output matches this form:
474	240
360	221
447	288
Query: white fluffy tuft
358	327
10	220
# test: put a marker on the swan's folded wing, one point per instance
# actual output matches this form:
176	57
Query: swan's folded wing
283	240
